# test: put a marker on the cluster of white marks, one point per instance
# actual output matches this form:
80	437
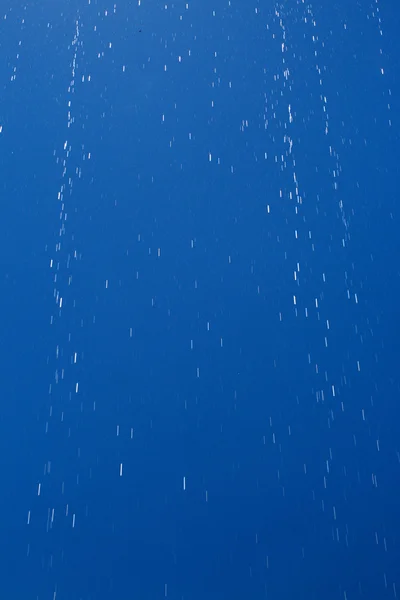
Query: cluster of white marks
64	388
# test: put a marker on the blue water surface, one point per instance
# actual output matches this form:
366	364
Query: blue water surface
199	300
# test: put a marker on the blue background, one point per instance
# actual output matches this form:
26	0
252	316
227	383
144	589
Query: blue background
291	489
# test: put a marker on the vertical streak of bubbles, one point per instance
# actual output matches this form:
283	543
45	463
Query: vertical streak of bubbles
64	388
336	391
376	14
315	199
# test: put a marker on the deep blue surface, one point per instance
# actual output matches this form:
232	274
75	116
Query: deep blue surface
258	460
